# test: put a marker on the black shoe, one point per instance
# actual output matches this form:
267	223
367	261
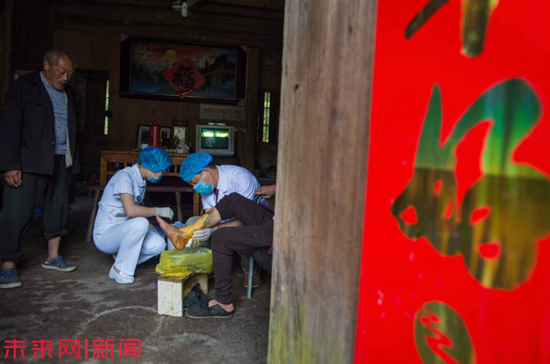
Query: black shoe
195	296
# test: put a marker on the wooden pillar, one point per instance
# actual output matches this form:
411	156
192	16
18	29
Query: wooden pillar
6	23
323	147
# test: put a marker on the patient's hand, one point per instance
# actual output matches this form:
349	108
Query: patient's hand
266	191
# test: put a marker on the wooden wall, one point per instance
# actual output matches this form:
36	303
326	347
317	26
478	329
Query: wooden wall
25	37
92	31
32	33
270	81
6	21
324	133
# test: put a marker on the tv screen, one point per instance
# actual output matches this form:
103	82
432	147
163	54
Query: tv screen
215	138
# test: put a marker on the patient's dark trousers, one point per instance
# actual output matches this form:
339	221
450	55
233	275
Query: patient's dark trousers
257	233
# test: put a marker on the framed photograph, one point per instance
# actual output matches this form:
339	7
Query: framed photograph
181	134
143	133
164	70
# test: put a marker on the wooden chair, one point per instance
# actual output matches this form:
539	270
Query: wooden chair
112	161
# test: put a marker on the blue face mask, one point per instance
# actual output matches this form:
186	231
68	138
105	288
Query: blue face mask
152	179
203	188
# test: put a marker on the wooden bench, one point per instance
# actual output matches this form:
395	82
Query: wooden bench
172	292
112	161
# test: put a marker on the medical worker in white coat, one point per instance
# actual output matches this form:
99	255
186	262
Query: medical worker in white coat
213	183
121	226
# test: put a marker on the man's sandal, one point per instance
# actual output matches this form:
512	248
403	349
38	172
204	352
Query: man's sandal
197	312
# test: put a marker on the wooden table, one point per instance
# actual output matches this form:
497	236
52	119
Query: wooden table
113	160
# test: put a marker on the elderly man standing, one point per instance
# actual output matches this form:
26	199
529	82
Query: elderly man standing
37	145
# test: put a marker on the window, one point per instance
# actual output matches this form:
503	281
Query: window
266	117
267	125
106	130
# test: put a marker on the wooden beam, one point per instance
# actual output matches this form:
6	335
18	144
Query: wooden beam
160	23
276	6
191	3
129	14
228	10
6	22
264	4
321	177
165	4
184	33
136	3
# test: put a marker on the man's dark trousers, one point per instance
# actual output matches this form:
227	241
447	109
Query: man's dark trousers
257	233
20	205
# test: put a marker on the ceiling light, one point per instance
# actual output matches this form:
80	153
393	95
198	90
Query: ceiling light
184	8
176	6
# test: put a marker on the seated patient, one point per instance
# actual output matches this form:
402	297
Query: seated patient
256	233
121	227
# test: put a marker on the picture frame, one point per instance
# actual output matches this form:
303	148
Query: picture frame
161	70
143	132
181	133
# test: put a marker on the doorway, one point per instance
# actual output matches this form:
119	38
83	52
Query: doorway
92	118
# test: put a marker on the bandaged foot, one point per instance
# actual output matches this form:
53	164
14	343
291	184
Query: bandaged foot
180	237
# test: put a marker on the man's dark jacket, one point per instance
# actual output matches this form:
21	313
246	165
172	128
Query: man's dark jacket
27	127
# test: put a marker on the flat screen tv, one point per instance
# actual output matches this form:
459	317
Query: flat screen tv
215	140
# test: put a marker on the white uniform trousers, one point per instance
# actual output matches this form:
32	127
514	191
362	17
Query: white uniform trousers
132	241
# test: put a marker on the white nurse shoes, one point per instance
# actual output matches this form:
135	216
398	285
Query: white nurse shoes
120	278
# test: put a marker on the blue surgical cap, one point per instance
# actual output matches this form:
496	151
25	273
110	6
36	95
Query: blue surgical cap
155	159
193	165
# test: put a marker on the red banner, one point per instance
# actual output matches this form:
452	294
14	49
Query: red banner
456	250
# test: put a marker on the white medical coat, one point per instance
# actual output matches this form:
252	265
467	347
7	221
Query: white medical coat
111	211
232	179
132	239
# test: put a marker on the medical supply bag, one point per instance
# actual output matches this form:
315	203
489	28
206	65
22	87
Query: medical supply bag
191	260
